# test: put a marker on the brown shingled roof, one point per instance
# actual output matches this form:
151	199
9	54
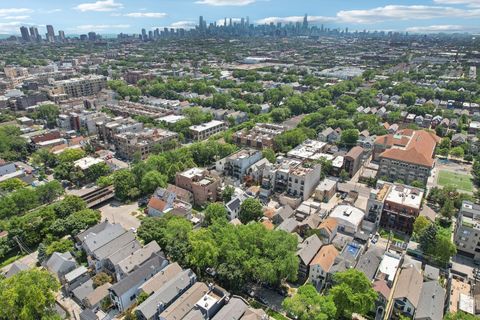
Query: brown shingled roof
328	224
419	147
325	257
157	204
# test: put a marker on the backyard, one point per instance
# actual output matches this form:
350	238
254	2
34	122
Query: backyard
460	181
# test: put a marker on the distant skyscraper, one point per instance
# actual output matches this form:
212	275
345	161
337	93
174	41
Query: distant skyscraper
305	22
61	35
144	35
24	32
34	36
92	36
50	33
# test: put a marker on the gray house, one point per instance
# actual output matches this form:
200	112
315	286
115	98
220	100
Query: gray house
431	303
99	256
233	310
130	263
60	264
124	292
164	296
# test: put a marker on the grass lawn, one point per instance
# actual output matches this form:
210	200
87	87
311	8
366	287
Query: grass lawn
458	180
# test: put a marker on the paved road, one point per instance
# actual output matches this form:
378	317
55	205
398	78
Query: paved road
121	213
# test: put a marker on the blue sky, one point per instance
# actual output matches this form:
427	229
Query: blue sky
114	16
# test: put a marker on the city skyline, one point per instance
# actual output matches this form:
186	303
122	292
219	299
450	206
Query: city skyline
115	16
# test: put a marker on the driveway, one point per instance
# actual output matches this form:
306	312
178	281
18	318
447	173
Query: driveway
117	212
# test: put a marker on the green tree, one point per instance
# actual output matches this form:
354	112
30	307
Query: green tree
349	137
204	251
70	155
352	292
308	304
448	208
151	181
457	152
12	184
125	185
12	145
427	238
170	232
62	245
409	98
250	210
69	205
269	154
49	191
96	171
227	193
344	175
280	114
101	278
420	225
213	212
28	295
460	315
49	113
443	250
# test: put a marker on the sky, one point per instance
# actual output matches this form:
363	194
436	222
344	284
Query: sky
130	16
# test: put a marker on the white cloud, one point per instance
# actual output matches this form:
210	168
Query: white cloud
470	3
13	11
49	11
436	28
184	24
12	26
219	3
16	18
146	15
397	12
441	28
294	19
386	13
105	5
100	27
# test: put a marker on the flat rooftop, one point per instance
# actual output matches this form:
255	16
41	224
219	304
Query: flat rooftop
190	173
87	162
207	125
410	197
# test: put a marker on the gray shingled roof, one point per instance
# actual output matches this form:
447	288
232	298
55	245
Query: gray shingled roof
369	262
309	248
139	276
185	302
431	303
84	290
167	293
94	229
114	245
234	310
139	257
16	268
124	252
93	241
161	278
60	263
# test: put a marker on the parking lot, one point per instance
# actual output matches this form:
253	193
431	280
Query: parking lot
117	212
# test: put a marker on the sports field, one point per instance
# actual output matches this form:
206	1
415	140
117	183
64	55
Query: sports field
458	180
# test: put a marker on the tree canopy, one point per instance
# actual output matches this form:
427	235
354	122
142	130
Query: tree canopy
28	295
